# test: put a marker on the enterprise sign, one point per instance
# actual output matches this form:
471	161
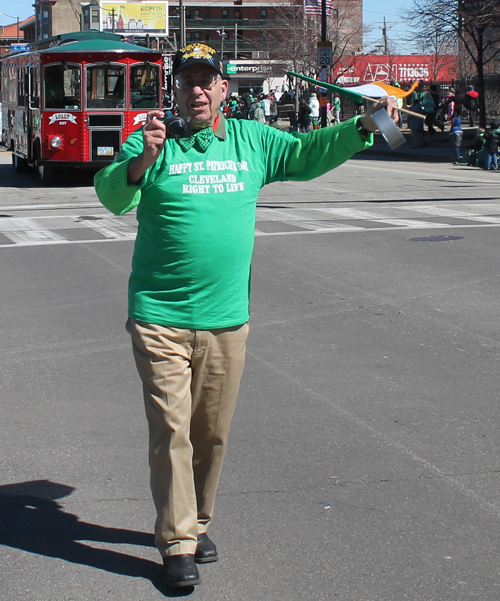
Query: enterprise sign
252	68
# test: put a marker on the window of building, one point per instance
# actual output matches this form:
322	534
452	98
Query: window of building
207	37
237	14
335	13
188	36
197	14
263	13
95	16
197	36
45	16
225	13
188	14
206	14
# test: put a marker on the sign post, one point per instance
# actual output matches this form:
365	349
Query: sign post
324	61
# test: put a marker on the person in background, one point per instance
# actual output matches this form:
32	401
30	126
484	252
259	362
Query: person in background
471	104
416	125
430	112
314	106
456	136
491	144
336	108
304	116
449	101
258	113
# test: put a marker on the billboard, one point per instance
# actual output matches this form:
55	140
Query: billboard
136	18
405	69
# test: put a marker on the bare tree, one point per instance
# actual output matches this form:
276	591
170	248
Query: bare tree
472	24
295	40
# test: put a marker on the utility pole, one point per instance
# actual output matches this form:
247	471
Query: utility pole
182	24
384	35
322	104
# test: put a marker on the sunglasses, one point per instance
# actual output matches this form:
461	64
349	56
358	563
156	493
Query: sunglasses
187	82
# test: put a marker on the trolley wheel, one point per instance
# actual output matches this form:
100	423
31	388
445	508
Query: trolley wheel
46	174
20	165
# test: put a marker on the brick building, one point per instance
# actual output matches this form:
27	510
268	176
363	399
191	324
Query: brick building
9	34
53	17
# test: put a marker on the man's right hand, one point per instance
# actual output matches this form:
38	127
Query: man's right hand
153	135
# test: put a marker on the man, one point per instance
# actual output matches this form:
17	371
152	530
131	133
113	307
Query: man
470	103
189	287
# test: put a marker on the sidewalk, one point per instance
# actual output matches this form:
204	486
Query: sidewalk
438	149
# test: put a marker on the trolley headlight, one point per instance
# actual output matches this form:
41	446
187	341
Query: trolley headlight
55	142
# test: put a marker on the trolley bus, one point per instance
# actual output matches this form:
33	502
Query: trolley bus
73	105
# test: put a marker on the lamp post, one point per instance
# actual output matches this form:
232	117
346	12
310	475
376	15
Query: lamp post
11	17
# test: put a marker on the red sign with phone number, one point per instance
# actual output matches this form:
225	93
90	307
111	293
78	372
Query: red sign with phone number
358	70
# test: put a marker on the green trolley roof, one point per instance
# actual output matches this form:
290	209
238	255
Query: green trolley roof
97	45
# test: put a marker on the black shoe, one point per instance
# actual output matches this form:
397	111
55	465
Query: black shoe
180	570
206	550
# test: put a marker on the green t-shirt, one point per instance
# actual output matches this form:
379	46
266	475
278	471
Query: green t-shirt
196	215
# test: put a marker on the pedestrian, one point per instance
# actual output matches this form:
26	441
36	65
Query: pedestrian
430	108
258	113
304	116
449	102
416	125
336	108
189	289
456	135
491	144
471	103
314	106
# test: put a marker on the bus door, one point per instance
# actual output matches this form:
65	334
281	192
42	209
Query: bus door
32	86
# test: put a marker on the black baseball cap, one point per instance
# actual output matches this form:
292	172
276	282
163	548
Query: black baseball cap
196	54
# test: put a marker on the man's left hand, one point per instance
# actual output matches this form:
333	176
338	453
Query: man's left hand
386	103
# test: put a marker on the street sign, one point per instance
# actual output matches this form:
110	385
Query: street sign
324	54
19	47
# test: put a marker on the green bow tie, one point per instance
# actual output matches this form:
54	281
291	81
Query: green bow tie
203	138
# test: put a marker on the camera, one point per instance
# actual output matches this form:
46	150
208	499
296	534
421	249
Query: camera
177	127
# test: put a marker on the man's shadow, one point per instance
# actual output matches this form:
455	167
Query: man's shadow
32	520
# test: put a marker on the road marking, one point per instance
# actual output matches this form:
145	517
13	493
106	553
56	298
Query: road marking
441	212
24	231
29	231
112	228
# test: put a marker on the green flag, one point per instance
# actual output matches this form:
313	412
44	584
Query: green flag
330	86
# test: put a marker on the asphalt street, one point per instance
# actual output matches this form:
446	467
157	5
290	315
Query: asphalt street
363	462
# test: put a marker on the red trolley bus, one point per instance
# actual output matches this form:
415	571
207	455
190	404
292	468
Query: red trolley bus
73	105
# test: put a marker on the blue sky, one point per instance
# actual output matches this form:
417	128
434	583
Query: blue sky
16	8
374	12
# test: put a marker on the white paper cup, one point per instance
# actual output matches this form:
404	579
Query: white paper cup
388	128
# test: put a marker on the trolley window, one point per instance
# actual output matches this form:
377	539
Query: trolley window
105	86
145	86
62	86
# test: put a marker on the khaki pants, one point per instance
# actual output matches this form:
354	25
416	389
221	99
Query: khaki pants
190	381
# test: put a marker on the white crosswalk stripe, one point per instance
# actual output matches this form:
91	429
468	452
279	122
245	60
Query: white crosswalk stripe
71	229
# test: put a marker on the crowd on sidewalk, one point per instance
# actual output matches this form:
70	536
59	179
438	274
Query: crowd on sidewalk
440	111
